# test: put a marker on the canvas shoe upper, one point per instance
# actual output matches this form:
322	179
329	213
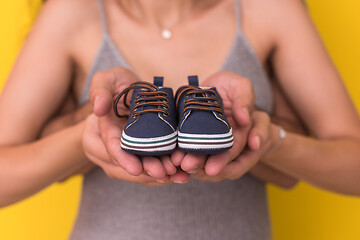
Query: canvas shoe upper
202	126
151	128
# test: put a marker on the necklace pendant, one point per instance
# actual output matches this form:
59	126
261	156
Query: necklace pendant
166	34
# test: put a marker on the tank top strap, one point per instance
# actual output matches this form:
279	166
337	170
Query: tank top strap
238	15
103	16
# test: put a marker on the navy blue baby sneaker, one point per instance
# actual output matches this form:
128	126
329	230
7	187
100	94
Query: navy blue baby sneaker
202	125
152	127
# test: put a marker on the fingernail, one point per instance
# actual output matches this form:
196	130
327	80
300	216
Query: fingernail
246	111
95	100
148	173
257	141
179	182
194	171
160	181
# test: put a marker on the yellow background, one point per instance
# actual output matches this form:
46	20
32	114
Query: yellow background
305	213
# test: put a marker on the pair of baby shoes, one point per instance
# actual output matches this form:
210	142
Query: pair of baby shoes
194	120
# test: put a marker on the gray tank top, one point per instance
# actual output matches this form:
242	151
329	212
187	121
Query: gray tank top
115	209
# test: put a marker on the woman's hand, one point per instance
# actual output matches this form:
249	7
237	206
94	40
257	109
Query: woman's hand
238	98
96	151
104	88
262	137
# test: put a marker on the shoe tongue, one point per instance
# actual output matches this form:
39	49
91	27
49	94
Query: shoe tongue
193	80
158	81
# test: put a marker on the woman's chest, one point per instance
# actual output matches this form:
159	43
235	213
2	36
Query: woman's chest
201	48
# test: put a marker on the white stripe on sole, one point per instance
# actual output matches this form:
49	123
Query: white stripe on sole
206	136
204	146
205	141
155	149
148	139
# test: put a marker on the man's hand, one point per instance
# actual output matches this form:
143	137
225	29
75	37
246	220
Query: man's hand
68	115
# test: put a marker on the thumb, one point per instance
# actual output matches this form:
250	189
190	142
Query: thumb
240	113
101	92
102	102
105	85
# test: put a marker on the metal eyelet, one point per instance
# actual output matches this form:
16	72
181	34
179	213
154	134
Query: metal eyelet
133	116
166	107
221	114
166	114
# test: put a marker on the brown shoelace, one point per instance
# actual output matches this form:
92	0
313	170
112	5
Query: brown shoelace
152	97
204	99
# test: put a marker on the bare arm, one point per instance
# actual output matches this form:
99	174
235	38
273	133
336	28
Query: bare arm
68	115
37	86
331	160
284	116
28	168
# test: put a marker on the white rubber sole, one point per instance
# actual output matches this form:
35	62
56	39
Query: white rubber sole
205	141
148	145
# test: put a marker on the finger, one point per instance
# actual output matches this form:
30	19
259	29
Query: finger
215	163
97	154
96	151
102	92
240	113
92	142
105	85
238	90
165	180
177	156
258	134
110	129
170	169
201	175
180	177
260	131
241	165
192	162
153	167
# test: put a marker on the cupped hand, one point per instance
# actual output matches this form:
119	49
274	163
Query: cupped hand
104	88
262	137
238	100
96	151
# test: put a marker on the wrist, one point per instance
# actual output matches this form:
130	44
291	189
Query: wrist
80	128
278	134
